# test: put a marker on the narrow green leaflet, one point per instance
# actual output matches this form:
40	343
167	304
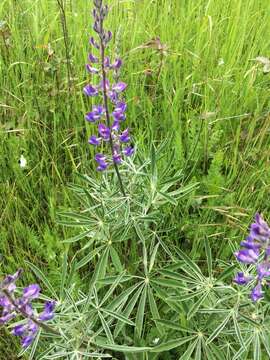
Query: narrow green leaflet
172	344
141	312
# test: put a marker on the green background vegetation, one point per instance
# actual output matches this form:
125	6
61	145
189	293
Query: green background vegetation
191	77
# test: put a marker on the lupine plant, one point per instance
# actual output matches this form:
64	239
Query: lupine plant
107	303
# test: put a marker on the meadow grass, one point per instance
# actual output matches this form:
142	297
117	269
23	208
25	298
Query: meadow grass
192	79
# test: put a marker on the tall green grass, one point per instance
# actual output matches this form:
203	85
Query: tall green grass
192	78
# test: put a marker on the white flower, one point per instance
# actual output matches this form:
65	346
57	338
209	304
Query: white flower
155	341
22	162
221	62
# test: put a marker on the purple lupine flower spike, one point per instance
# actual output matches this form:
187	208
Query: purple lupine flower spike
13	307
107	84
256	250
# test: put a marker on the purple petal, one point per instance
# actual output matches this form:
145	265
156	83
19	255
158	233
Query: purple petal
93	140
117	64
104	132
247	256
263	270
241	279
31	291
93	42
124	137
256	293
47	313
117	158
91	69
260	229
90	90
6	318
119	87
27	340
19	330
92	58
115	125
128	151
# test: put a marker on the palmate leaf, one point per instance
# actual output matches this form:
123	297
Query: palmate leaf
196	305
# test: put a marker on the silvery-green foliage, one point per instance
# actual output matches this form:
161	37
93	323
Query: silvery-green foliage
117	299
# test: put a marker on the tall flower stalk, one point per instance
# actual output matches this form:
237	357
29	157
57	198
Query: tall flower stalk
108	130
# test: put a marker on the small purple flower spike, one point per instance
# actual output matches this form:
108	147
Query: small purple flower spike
13	307
256	251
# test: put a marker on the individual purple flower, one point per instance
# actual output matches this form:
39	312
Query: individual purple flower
91	69
107	61
104	131
256	293
93	42
93	140
102	162
14	306
124	137
119	87
5	318
90	90
19	330
247	256
263	270
31	292
48	312
27	341
250	243
242	279
117	64
116	125
119	111
260	229
95	114
93	59
113	96
128	151
117	158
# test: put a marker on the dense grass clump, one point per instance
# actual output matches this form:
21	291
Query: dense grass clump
198	108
